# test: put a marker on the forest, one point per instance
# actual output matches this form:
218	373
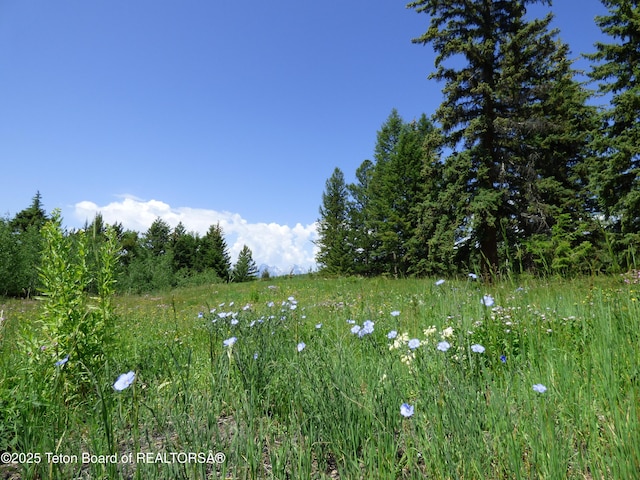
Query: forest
516	171
158	259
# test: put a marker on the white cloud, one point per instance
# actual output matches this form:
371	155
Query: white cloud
276	245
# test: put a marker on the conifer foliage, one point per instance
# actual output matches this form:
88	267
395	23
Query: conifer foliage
515	170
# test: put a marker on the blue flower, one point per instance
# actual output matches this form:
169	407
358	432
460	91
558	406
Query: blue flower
395	313
355	329
503	358
487	301
477	348
444	346
59	363
367	327
392	334
230	341
406	410
124	381
301	346
540	388
440	282
318	325
414	343
473	276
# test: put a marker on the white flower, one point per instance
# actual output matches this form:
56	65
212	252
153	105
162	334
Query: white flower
301	346
440	282
447	332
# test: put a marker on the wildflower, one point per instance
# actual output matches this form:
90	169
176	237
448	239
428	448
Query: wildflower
473	276
477	348
414	343
59	363
395	313
124	381
503	358
351	322
230	341
406	410
318	325
440	282
200	314
392	334
408	358
355	329
444	346
540	388
429	331
234	321
246	307
293	306
487	301
447	332
270	304
367	327
301	346
399	341
255	356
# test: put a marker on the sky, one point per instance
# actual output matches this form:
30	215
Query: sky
211	111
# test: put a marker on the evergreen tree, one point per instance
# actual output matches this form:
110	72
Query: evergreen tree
396	193
360	238
501	108
245	268
156	239
183	246
33	216
617	69
213	253
333	229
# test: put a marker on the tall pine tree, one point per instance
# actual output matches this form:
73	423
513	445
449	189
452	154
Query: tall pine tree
334	252
499	108
617	69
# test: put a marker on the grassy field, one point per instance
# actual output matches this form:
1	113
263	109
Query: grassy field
307	377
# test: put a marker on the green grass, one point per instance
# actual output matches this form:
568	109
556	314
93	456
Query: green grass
332	410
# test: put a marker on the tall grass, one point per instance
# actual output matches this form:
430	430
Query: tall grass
332	408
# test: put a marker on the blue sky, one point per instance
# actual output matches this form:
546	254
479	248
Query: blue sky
210	110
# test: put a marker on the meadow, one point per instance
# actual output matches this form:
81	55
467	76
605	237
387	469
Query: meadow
308	377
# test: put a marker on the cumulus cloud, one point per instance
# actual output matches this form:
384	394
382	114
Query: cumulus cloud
276	245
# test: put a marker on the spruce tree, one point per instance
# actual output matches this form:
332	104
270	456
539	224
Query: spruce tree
213	253
334	251
245	268
501	106
360	238
617	69
396	192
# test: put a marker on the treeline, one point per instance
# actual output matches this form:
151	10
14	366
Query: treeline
515	171
157	259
